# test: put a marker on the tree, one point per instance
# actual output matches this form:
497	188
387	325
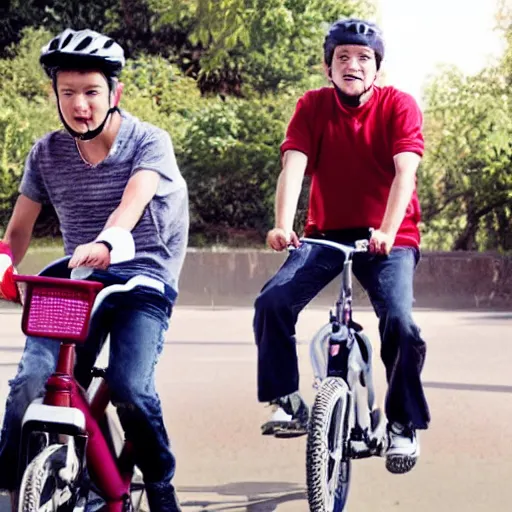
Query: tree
466	175
265	53
231	47
255	45
53	15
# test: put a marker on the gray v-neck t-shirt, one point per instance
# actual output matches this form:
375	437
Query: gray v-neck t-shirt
84	196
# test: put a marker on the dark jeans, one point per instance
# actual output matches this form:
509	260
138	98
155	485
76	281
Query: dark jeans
137	321
389	284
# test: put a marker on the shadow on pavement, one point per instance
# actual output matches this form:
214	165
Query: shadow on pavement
498	315
247	496
488	388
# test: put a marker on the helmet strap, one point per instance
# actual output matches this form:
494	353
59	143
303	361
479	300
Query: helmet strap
350	100
90	134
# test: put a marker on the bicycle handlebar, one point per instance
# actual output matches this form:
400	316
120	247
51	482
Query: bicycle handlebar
348	250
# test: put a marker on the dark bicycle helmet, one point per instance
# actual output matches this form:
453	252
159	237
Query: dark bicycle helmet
354	31
83	49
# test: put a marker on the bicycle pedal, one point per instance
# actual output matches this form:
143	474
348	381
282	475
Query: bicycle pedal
283	429
290	433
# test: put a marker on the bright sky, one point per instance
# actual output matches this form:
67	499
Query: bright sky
419	35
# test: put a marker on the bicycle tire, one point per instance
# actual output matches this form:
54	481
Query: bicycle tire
51	482
328	479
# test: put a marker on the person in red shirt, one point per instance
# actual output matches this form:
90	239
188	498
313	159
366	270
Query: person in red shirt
361	144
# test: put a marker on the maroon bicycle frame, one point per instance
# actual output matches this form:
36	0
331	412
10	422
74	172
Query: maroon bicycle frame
111	475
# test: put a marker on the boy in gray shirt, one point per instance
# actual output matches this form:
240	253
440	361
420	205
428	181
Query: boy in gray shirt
110	178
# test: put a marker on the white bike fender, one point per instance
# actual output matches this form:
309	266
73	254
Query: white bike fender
37	411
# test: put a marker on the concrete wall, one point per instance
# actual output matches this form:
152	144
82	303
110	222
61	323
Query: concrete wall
234	278
446	280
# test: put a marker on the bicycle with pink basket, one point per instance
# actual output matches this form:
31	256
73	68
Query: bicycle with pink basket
70	442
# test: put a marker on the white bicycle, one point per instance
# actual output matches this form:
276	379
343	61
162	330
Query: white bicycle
344	422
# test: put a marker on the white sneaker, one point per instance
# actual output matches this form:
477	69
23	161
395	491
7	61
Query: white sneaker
279	414
403	449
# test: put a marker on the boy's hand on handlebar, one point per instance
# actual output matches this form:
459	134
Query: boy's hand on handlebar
95	255
279	240
8	287
381	242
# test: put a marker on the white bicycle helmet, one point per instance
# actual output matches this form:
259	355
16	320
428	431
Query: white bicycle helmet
82	49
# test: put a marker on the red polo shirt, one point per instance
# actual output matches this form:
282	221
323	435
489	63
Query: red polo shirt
350	157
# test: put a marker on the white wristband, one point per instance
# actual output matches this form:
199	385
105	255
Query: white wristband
121	240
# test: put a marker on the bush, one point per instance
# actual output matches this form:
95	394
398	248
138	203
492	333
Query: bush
27	111
231	162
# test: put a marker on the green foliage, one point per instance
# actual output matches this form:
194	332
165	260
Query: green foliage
262	45
156	91
231	162
227	150
26	113
22	76
21	123
232	46
54	15
466	175
266	53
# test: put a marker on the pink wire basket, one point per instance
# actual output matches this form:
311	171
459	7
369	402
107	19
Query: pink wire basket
57	308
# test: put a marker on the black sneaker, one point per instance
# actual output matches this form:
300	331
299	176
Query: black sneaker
290	416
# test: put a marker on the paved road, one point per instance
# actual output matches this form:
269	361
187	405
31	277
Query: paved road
206	379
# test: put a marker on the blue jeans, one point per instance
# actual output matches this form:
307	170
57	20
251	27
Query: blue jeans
388	280
137	321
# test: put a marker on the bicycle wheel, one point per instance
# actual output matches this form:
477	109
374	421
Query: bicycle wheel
51	481
327	458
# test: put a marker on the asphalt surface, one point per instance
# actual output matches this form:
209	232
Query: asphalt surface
206	379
